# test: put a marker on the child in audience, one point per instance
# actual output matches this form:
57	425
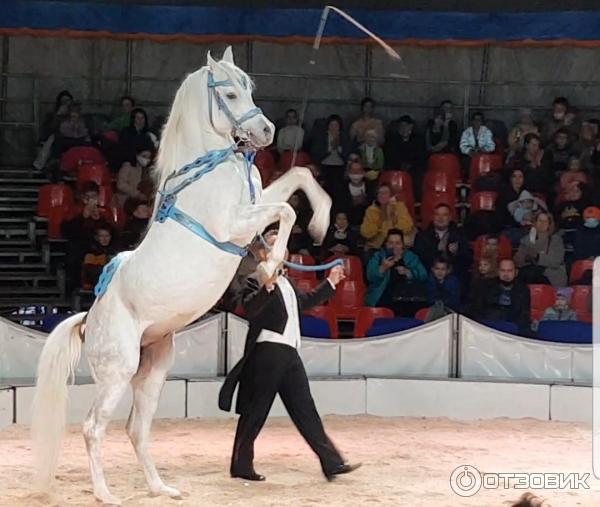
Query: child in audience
98	255
561	309
523	211
340	239
442	286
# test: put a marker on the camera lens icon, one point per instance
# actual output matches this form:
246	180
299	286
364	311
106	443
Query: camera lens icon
465	480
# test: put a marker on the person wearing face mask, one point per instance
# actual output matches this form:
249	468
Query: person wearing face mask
384	214
130	176
562	117
587	236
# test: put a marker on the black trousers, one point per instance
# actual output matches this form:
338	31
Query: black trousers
277	368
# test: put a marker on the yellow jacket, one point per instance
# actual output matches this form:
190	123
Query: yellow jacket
374	230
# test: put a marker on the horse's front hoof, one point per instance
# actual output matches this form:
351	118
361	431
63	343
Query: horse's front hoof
167	491
108	500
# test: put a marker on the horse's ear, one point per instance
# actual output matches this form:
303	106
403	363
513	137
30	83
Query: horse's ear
211	62
228	55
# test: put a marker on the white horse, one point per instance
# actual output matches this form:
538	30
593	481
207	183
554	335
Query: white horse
178	272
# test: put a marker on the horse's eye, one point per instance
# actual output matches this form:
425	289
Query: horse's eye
231	96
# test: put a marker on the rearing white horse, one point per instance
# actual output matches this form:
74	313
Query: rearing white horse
180	270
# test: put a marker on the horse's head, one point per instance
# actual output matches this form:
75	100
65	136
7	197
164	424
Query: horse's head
231	108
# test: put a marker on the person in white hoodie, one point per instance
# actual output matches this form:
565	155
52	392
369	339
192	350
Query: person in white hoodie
477	137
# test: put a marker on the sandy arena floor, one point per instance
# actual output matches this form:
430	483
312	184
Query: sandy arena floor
406	462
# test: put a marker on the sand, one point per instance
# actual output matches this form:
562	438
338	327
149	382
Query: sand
406	462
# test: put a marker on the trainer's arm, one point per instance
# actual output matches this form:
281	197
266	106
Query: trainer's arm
317	296
254	297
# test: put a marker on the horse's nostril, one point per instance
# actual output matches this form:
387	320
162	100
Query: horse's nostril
267	130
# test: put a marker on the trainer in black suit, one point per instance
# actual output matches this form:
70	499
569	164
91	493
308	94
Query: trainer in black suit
271	365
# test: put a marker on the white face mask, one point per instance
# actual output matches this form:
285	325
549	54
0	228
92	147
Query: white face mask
356	178
143	161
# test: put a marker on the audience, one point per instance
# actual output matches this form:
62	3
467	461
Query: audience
441	133
384	214
560	151
561	309
541	254
562	118
516	137
123	119
135	135
509	193
340	238
443	286
367	121
98	254
587	236
72	131
404	148
131	175
477	138
353	196
290	137
569	213
138	212
371	154
396	277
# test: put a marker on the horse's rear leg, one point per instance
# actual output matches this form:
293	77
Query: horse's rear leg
156	360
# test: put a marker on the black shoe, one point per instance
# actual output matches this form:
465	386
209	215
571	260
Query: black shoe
345	468
252	476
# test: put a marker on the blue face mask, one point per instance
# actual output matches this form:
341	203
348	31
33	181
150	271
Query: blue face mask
591	222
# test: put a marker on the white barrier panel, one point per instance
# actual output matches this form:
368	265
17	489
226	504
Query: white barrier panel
456	399
6	406
197	348
485	352
425	350
20	348
321	357
202	399
171	405
582	363
571	403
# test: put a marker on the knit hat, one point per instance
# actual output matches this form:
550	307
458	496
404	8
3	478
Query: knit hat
591	212
565	292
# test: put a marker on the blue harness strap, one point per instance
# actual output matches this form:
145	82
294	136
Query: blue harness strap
107	274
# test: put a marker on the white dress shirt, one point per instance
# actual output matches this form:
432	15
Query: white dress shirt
291	333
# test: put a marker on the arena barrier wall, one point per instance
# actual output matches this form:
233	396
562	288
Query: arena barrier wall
485	352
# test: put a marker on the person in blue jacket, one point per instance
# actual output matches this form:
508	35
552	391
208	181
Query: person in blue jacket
442	285
395	275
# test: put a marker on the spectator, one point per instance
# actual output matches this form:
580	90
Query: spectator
353	197
404	148
569	213
561	309
72	131
138	212
441	135
442	285
562	117
340	239
573	174
559	152
443	237
504	298
131	176
358	130
516	136
586	144
541	254
99	253
123	119
587	236
538	173
300	241
384	214
477	137
447	105
371	154
290	137
508	194
491	248
395	276
523	211
135	135
330	148
53	120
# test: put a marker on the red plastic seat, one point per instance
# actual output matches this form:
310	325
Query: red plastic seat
448	163
431	200
73	158
348	299
305	284
304	260
483	201
580	302
111	136
504	248
578	268
53	195
98	173
365	318
56	217
422	314
285	161
439	181
401	185
353	267
484	163
265	162
542	297
327	313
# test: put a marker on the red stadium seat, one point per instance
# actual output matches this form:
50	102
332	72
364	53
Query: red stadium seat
353	267
484	163
448	163
111	136
365	318
431	200
542	297
349	298
98	173
285	161
265	163
304	260
74	157
580	302
578	268
422	314
327	313
53	195
439	181
400	183
305	284
483	201
56	217
504	248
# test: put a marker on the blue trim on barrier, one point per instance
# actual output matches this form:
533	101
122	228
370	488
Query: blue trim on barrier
202	20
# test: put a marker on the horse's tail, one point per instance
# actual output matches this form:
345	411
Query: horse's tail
57	365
